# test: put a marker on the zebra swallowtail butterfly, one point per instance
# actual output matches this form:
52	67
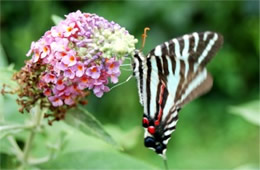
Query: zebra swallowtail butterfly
170	76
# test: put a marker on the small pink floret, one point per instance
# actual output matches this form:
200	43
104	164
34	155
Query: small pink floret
56	101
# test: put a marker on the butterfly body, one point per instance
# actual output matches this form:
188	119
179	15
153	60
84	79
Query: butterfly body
170	76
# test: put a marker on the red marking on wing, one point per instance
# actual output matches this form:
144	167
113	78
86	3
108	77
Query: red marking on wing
157	122
145	122
151	129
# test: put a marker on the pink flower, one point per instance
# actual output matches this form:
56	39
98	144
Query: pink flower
47	92
76	56
69	60
60	55
50	78
99	81
49	60
93	72
70	29
45	51
114	77
41	84
69	74
99	90
60	85
80	69
58	93
56	101
36	56
56	32
74	16
68	100
60	66
75	89
61	44
84	82
113	66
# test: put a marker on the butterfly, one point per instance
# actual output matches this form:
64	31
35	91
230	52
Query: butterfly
170	76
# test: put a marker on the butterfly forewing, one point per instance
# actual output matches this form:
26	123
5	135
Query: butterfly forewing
171	75
138	73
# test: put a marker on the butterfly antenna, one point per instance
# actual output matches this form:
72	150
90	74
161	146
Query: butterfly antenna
165	164
119	84
144	36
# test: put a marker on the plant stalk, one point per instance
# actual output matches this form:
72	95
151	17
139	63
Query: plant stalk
37	117
16	148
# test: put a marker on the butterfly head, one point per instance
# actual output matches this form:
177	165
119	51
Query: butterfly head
153	138
138	54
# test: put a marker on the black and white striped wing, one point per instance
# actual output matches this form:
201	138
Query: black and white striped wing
189	55
172	75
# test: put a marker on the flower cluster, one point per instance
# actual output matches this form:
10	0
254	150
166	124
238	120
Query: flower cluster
83	52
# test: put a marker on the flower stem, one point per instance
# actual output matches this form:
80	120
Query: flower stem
28	147
37	114
14	127
16	148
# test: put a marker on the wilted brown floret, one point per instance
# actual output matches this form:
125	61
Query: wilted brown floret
28	79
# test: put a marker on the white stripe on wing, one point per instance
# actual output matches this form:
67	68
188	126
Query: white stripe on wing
185	54
153	86
196	41
194	84
205	51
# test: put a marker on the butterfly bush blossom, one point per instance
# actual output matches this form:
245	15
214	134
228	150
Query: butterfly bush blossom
81	53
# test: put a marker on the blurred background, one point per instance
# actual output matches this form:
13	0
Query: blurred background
218	130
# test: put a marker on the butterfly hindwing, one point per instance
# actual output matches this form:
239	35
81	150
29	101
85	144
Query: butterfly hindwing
172	75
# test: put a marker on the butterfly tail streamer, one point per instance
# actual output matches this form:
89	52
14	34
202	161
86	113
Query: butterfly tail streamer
165	164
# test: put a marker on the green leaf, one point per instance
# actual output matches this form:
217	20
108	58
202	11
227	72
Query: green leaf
56	19
249	111
9	110
6	77
5	146
85	122
90	159
247	166
3	61
126	138
8	161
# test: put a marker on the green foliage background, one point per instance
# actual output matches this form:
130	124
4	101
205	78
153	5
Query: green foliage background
207	135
